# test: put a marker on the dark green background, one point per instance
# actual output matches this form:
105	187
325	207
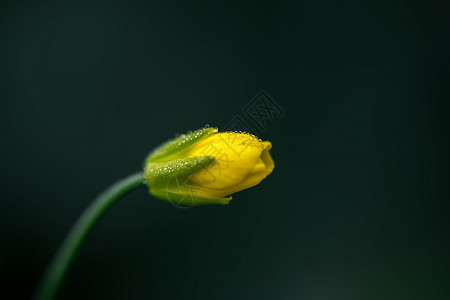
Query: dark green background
356	208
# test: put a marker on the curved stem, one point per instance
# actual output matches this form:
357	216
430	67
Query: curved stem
60	265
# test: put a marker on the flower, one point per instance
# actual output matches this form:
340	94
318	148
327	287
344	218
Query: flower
205	166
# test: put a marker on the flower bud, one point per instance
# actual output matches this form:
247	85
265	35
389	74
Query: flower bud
206	166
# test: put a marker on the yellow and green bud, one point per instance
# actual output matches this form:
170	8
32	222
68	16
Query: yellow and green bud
206	166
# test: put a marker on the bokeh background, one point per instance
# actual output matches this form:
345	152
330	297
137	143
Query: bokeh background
357	207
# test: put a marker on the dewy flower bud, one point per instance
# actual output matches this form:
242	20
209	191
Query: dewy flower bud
205	166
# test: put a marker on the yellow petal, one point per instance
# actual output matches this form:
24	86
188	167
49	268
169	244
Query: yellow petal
241	161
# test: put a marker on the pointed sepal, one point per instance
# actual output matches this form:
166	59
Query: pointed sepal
175	148
162	174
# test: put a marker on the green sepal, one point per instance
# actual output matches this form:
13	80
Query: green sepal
176	147
187	197
162	174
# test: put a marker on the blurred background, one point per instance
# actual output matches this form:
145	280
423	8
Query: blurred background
353	96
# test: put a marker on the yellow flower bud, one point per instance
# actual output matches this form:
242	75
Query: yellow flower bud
205	166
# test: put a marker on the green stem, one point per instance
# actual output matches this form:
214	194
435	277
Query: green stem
60	265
